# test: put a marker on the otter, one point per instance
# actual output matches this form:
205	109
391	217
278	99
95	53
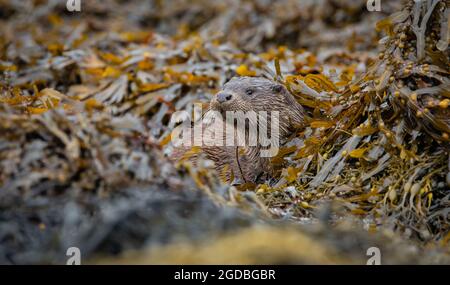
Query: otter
245	163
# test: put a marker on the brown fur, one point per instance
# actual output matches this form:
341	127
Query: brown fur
245	163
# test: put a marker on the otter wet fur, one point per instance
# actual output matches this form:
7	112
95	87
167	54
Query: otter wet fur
241	164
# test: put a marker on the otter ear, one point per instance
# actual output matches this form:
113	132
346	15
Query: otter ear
277	88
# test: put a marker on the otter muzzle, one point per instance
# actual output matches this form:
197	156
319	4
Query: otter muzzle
224	97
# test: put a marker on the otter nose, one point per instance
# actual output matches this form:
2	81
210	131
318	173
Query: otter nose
223	97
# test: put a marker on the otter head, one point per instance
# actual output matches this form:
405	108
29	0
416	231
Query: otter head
248	94
258	94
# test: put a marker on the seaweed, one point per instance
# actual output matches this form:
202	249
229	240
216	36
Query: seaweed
388	137
86	102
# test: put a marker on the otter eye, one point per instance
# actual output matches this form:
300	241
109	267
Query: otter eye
249	91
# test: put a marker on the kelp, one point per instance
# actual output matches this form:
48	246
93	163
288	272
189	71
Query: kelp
86	102
386	132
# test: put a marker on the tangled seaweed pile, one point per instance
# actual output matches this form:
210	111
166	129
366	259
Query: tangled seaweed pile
381	144
86	100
